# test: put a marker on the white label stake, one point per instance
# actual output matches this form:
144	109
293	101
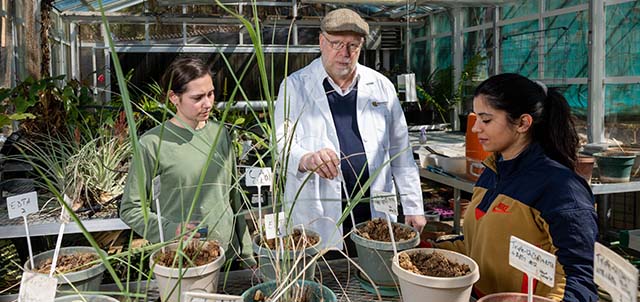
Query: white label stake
533	261
346	194
64	219
155	193
615	274
36	287
259	177
270	225
386	202
23	205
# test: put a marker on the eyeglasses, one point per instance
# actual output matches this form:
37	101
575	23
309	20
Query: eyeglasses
339	45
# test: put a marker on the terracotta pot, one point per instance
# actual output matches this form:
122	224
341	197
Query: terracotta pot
464	204
584	167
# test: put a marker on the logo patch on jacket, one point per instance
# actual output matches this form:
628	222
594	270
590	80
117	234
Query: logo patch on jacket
501	208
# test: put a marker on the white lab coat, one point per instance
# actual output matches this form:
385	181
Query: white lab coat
304	124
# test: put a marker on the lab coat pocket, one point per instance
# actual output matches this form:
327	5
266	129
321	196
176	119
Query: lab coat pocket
380	116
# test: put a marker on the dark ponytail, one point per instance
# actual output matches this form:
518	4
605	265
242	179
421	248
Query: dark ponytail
553	126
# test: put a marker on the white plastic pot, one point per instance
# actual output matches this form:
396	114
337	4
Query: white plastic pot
202	278
415	287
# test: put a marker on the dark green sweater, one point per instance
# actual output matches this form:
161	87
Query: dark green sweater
179	156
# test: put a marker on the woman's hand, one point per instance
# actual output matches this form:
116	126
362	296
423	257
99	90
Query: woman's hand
189	228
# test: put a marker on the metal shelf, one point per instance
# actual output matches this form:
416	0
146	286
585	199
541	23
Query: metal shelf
52	228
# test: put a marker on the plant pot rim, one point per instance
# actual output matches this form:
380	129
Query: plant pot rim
384	245
324	288
89	298
189	272
620	154
438	282
514	294
72	277
312	250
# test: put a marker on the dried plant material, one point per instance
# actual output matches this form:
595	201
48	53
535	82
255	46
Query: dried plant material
296	294
432	264
297	241
378	230
199	252
67	263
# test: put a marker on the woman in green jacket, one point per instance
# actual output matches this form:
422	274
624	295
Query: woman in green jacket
193	157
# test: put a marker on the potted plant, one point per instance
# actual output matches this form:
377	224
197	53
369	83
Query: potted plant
294	259
195	268
77	267
614	165
86	298
375	251
441	275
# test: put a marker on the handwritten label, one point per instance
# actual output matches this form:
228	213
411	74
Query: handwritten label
64	214
270	225
615	274
37	287
533	261
385	202
155	187
258	177
22	205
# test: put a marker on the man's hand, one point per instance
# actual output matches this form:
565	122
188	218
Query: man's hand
416	221
324	162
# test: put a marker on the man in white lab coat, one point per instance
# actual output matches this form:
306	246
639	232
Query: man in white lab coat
339	125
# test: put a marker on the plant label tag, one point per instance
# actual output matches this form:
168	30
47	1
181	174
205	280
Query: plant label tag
255	199
385	202
155	187
270	225
615	274
22	205
258	177
534	261
37	287
64	214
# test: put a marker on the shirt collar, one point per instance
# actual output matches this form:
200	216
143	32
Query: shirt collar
337	88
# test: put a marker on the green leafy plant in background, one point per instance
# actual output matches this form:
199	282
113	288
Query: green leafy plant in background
440	92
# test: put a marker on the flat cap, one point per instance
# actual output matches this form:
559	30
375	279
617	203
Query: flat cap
344	19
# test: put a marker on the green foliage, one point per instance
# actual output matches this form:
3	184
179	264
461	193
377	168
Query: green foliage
439	91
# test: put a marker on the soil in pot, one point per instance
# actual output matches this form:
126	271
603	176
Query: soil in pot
68	263
378	229
199	252
432	264
295	241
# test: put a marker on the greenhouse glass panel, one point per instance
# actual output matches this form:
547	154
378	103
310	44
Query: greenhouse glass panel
566	49
479	43
443	52
477	15
577	96
556	4
441	23
419	60
621	102
417	32
623	40
519	9
622	112
519	48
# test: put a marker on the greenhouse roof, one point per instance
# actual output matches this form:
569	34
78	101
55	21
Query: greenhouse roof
371	8
93	5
